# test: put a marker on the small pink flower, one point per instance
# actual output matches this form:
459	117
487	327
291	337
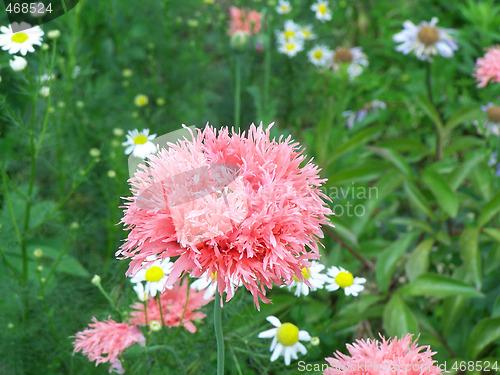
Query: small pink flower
105	341
389	357
173	303
244	20
488	67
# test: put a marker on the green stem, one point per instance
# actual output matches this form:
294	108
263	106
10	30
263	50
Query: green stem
219	335
161	311
111	302
428	82
237	93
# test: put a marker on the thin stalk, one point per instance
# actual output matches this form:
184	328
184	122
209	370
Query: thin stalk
219	335
428	82
161	311
237	93
111	302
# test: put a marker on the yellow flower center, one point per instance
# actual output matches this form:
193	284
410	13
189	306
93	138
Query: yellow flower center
344	279
290	46
318	54
141	100
342	55
307	33
322	9
288	334
140	140
155	273
19	37
304	273
494	114
428	35
289	34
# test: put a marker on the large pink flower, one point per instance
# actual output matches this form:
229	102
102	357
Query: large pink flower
488	67
389	357
174	308
245	21
262	228
105	341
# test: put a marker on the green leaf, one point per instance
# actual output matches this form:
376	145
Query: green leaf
418	199
471	256
344	232
358	174
393	157
463	143
493	233
430	110
490	210
462	171
464	114
413	223
418	262
483	334
445	197
481	178
357	140
398	319
434	285
453	309
389	258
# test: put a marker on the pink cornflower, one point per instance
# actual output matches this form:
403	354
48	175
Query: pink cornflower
389	357
105	341
262	229
244	20
173	303
488	67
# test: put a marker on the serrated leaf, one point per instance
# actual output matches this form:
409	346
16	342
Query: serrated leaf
438	286
489	210
445	197
483	334
418	261
398	319
418	199
389	258
471	257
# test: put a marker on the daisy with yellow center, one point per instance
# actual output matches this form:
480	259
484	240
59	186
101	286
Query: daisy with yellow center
341	278
286	340
139	143
491	124
154	278
314	277
426	40
307	32
209	283
291	47
20	38
141	100
320	55
322	11
283	7
291	31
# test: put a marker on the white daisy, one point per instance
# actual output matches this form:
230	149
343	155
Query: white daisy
291	31
18	63
425	39
209	283
353	116
283	7
286	338
320	55
341	278
307	32
490	125
353	58
322	10
21	41
291	47
155	277
139	143
314	276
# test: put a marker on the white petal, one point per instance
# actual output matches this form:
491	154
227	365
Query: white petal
301	348
274	321
277	352
287	355
304	336
268	334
